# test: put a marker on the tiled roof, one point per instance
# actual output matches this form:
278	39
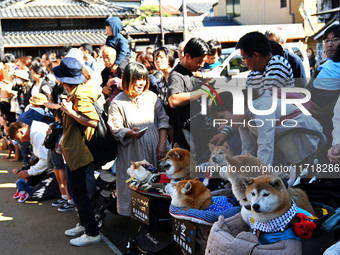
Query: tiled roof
11	9
54	38
200	8
234	33
175	24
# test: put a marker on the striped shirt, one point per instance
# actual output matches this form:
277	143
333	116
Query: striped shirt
277	73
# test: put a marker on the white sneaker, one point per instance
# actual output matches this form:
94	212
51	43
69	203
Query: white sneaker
84	240
78	230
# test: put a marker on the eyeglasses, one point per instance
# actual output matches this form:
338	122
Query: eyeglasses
244	58
334	40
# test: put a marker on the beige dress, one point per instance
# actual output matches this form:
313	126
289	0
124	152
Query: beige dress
125	114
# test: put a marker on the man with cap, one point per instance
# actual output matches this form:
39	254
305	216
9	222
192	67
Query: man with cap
36	112
80	118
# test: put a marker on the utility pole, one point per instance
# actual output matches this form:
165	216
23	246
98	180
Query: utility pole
2	49
185	26
161	17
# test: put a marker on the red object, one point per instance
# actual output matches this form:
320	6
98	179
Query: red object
303	226
16	195
164	179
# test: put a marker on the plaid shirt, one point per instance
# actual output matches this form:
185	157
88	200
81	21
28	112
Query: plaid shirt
275	225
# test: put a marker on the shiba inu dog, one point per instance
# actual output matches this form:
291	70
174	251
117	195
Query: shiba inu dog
177	163
138	172
219	153
269	198
239	167
192	194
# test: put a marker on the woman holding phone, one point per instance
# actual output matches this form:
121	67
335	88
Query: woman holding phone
131	111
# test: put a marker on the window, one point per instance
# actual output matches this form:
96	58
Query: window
233	8
283	3
237	63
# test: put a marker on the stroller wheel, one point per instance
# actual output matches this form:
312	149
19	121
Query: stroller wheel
100	219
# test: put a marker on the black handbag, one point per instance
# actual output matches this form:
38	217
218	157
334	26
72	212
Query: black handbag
51	140
102	145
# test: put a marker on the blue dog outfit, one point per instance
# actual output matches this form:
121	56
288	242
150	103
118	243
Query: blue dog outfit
279	228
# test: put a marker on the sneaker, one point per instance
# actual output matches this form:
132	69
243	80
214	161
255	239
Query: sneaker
78	230
85	240
59	202
23	197
66	207
16	195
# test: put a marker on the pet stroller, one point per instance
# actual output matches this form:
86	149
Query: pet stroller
105	196
287	152
154	236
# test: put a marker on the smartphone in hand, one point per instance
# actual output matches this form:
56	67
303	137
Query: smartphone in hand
142	130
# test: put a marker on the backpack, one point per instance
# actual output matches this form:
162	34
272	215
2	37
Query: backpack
102	145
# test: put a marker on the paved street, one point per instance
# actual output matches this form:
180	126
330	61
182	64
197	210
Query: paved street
34	228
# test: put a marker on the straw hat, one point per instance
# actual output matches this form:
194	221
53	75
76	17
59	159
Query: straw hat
21	74
38	99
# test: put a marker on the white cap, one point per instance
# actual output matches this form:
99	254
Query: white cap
77	54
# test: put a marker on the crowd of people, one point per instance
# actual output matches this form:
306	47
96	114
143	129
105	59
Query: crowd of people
51	99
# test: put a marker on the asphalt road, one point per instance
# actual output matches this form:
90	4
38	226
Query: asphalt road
35	228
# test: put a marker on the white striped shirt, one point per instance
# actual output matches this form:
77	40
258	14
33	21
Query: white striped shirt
277	73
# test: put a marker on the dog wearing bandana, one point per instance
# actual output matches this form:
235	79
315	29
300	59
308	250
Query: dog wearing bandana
274	214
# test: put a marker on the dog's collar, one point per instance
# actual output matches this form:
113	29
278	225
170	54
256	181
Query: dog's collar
181	179
275	225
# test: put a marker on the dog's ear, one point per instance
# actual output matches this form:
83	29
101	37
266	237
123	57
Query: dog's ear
177	155
276	183
226	145
284	177
176	145
211	146
247	181
187	188
138	165
133	164
230	160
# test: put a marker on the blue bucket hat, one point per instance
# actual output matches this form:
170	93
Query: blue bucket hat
69	71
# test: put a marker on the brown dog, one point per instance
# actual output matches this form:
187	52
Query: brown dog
192	194
269	198
238	168
219	153
178	163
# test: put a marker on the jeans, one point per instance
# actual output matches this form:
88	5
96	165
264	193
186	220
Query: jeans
82	184
24	150
23	186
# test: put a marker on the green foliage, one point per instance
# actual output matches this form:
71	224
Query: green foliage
152	10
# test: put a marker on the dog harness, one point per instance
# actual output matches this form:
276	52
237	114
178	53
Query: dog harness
275	225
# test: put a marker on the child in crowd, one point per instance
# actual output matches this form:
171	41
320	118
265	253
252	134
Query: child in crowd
117	41
213	58
65	203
